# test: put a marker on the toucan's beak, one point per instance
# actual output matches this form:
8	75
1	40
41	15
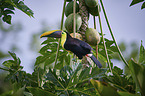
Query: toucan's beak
53	33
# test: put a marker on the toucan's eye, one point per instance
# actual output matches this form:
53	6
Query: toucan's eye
62	32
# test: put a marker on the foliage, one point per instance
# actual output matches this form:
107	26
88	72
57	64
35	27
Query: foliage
7	8
138	1
59	73
138	70
64	81
77	80
49	51
104	90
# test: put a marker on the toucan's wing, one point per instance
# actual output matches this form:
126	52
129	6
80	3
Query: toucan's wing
82	45
86	46
74	46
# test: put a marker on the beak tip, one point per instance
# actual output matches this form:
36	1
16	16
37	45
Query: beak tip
41	36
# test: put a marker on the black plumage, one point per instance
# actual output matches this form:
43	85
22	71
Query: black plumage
78	47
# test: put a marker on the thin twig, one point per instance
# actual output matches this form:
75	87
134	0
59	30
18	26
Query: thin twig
97	51
61	28
104	40
97	44
74	23
118	49
94	22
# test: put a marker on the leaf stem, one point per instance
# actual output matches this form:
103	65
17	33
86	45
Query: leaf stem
94	22
4	69
74	23
74	16
123	59
104	41
97	44
61	28
38	80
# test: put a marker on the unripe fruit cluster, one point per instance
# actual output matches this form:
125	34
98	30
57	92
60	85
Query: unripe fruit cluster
91	34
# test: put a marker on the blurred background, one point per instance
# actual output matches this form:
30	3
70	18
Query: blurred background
22	37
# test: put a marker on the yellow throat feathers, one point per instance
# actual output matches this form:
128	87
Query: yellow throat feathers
63	38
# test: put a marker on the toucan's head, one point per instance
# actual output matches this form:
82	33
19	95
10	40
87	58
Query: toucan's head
53	33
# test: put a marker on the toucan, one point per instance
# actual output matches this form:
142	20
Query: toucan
78	47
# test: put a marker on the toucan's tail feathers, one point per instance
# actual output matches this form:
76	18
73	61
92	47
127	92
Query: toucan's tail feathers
95	60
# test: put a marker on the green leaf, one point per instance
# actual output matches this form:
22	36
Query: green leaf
135	2
117	70
8	12
63	59
8	63
49	54
66	71
93	73
40	92
85	75
138	74
98	73
7	19
103	90
27	94
51	59
143	5
51	75
8	93
47	58
7	5
13	64
83	91
111	48
16	75
16	59
20	5
74	76
120	81
142	54
15	1
39	60
13	55
127	94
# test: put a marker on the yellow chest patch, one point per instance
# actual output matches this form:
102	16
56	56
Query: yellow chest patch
63	38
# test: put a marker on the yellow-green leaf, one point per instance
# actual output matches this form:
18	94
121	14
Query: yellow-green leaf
127	94
39	92
138	73
103	90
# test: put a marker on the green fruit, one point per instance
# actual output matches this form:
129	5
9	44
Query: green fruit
69	8
92	36
94	10
69	22
91	3
77	35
